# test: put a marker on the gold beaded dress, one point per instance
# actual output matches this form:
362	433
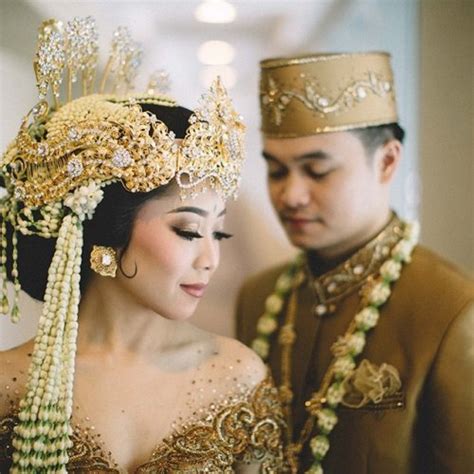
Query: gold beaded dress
226	421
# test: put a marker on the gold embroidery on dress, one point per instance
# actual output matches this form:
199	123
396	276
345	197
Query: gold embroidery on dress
87	454
6	450
246	431
336	284
247	427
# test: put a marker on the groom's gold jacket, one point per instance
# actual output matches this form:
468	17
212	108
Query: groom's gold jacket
425	332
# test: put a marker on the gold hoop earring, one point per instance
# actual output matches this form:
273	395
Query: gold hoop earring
104	260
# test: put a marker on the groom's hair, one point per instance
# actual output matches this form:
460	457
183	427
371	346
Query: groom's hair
376	136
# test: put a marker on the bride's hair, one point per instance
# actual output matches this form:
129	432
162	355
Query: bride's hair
110	226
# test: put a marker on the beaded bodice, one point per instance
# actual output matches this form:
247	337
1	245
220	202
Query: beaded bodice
213	412
245	427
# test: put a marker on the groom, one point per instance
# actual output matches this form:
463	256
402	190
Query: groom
369	335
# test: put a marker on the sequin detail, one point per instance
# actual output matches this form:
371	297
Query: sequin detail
246	427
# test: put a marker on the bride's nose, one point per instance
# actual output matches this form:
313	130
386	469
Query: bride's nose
208	256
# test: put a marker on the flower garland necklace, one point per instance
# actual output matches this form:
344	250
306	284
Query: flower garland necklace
42	436
323	403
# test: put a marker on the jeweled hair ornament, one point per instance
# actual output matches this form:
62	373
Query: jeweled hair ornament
54	172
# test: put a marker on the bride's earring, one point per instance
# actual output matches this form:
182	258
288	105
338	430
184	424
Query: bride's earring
104	260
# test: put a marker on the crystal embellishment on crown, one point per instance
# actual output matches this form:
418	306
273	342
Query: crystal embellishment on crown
105	137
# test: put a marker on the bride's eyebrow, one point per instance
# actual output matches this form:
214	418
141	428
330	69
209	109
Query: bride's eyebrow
194	210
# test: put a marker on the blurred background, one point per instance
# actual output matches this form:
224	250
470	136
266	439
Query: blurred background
432	51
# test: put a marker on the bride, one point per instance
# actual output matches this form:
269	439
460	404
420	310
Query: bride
113	217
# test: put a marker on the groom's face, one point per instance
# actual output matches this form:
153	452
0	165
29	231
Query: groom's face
324	188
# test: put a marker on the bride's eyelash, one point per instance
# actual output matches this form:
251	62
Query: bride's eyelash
186	234
191	235
222	235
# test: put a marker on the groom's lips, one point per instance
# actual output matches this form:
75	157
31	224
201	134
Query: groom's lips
298	223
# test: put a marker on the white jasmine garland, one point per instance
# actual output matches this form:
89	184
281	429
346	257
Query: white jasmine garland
357	342
316	468
391	270
83	200
319	446
267	325
367	318
273	304
379	293
41	438
343	366
412	232
261	347
283	284
335	394
402	251
350	344
326	420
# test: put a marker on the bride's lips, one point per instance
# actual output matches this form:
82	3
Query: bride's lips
196	289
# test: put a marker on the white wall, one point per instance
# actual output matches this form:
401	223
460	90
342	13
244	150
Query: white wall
447	128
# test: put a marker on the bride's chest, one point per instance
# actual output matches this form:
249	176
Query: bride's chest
126	416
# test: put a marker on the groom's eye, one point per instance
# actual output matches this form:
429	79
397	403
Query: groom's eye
276	172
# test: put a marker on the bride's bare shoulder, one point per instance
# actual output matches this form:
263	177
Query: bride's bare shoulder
239	362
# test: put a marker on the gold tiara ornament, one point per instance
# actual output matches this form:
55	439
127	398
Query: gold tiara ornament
97	138
108	137
321	93
54	171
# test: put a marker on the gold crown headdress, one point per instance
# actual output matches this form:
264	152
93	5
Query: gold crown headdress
320	93
54	171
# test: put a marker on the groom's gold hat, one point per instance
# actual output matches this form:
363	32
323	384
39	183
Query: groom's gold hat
320	93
